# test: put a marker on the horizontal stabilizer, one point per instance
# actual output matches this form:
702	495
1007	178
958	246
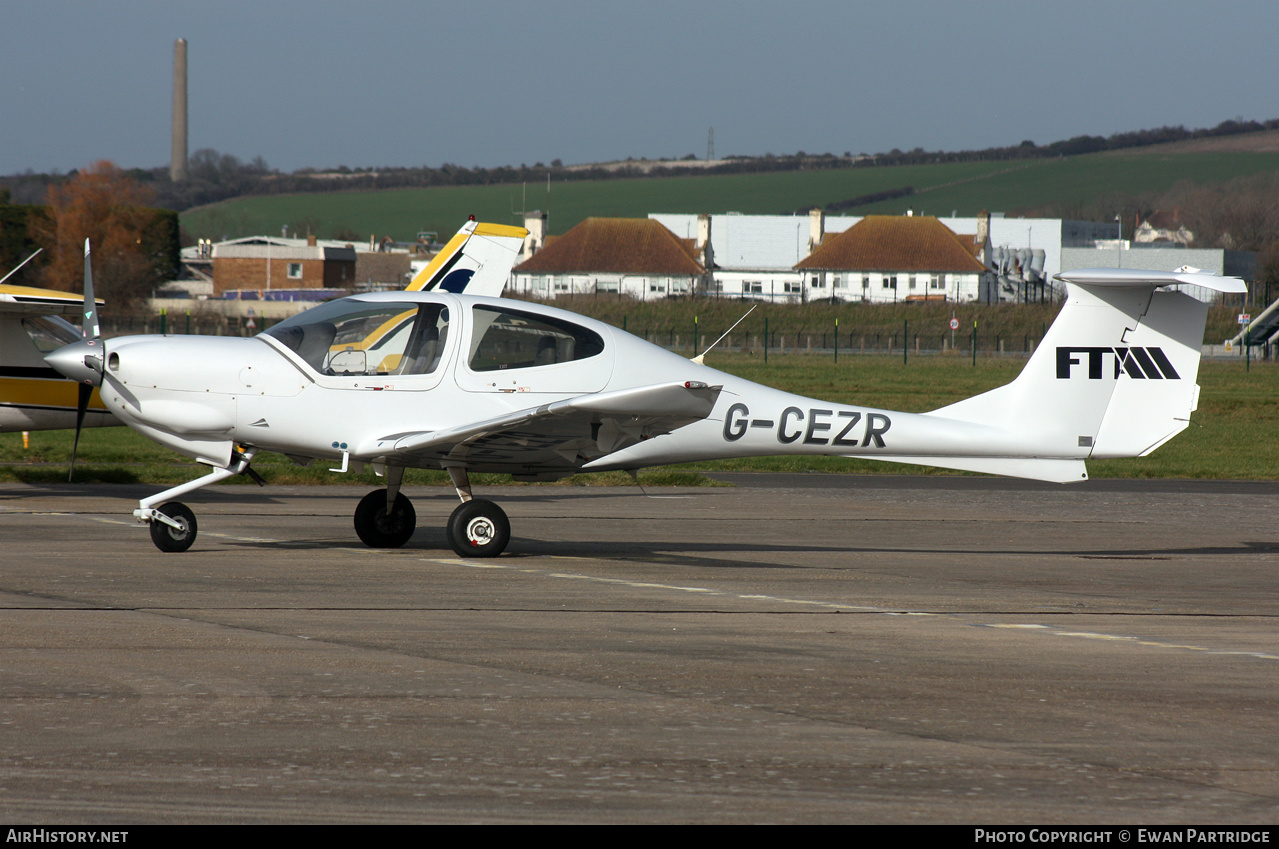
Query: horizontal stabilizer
1112	277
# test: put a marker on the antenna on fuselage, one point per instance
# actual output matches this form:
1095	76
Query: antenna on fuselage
698	358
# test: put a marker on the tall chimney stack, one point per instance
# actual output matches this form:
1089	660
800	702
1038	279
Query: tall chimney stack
178	158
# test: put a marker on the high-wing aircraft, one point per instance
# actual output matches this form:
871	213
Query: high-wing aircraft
473	384
33	396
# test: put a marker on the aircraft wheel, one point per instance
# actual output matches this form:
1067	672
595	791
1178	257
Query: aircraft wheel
376	528
479	528
168	538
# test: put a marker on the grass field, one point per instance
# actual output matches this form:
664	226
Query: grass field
940	189
1234	434
401	213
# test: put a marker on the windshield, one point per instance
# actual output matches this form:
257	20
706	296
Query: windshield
359	338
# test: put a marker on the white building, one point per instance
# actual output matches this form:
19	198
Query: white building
760	257
624	256
755	256
889	258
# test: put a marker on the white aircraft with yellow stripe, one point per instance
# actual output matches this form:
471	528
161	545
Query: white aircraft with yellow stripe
33	396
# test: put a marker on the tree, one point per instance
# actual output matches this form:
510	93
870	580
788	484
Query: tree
104	205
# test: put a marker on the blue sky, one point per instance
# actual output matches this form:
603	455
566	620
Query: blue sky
391	82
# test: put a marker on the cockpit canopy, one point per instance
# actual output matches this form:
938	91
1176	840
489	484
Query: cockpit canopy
351	336
355	336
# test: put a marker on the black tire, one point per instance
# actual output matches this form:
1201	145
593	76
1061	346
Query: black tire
171	539
376	529
479	528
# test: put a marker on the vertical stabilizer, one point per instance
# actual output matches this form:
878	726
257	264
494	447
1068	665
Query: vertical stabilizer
1115	374
477	261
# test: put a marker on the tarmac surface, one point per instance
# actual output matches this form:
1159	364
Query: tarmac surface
792	649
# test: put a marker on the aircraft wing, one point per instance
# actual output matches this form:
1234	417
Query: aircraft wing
551	440
29	301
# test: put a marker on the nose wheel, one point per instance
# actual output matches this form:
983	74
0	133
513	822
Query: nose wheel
479	528
173	524
178	533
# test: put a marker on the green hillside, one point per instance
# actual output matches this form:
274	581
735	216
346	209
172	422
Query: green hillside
939	189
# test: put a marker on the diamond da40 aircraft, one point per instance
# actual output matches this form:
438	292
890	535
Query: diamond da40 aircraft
479	384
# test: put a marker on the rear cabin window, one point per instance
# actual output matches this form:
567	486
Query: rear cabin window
510	339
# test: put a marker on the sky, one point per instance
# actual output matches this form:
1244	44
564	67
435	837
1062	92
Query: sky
323	84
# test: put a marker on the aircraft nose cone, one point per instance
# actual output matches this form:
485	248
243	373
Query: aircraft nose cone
80	361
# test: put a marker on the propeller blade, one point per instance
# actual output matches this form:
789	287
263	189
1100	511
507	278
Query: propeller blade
82	406
89	327
92	334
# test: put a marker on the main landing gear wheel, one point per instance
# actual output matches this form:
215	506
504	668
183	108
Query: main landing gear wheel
479	528
376	528
169	538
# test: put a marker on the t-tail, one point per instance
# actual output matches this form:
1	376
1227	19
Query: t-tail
476	261
1114	377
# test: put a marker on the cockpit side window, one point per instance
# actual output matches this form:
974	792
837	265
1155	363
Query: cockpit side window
350	338
512	339
426	342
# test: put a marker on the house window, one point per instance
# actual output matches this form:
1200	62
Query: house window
890	281
865	281
838	283
295	271
753	287
792	287
679	285
911	278
935	282
816	282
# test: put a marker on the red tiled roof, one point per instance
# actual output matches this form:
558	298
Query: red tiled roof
615	246
895	243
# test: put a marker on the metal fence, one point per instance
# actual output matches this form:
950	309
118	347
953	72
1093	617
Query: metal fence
857	340
878	339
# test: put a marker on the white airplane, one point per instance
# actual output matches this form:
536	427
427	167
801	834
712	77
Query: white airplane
33	396
473	384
